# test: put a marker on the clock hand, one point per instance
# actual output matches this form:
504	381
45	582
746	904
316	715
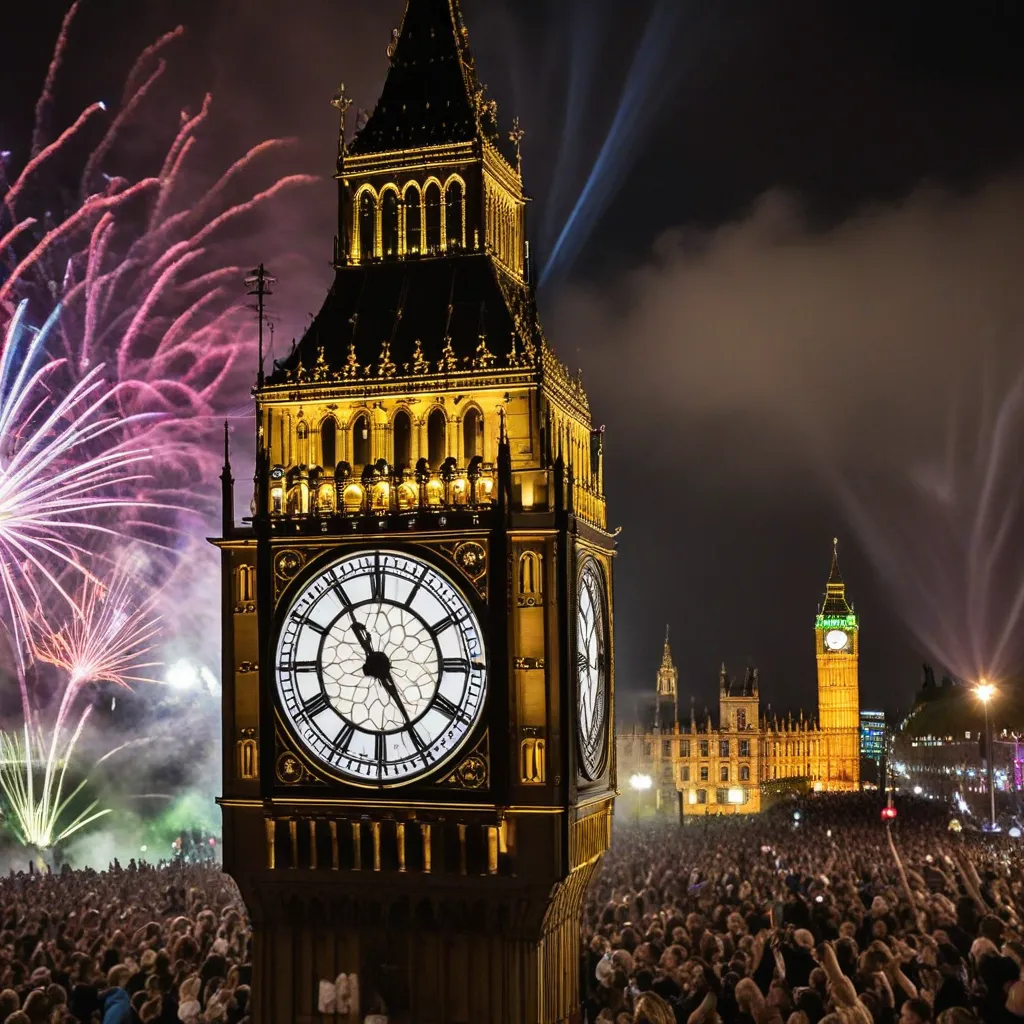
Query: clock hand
363	635
388	682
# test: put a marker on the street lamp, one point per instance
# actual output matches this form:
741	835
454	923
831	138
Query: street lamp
640	783
985	692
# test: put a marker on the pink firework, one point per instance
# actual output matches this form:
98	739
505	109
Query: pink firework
62	466
108	639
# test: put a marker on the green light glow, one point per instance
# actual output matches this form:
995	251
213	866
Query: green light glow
836	622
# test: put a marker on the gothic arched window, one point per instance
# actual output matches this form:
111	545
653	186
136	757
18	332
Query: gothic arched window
329	443
744	773
531	580
437	439
472	434
413	221
741	719
361	443
455	215
389	224
302	448
367	227
432	203
401	429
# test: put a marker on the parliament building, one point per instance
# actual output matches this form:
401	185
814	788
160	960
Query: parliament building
730	768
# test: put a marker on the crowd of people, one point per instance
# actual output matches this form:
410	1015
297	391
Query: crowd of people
811	913
164	944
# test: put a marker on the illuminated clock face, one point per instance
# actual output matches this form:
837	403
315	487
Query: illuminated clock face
380	668
836	639
591	646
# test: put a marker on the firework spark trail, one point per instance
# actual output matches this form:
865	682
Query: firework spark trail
120	119
144	57
126	279
93	205
58	465
38	817
105	642
33	165
45	100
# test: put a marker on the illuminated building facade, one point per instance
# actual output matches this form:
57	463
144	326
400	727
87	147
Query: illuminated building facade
418	622
721	769
872	735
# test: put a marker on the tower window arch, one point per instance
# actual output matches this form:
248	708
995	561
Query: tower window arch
246	584
413	221
361	442
367	226
437	438
531	578
472	434
389	224
455	214
432	205
401	430
329	443
302	447
741	718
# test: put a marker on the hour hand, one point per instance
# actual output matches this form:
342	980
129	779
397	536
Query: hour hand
363	635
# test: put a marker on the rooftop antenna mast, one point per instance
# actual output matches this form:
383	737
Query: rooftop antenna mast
259	284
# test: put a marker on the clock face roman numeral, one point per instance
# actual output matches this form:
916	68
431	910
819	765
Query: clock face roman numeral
445	706
398	657
314	706
343	739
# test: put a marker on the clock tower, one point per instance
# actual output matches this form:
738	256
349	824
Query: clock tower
837	640
418	622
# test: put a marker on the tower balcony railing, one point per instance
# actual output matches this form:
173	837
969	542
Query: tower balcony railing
380	490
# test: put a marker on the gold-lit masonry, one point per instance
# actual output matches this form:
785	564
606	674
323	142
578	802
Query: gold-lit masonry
699	768
424	412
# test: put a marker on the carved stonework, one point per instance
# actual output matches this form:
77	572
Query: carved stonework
474	770
471	558
287	564
289	769
247	760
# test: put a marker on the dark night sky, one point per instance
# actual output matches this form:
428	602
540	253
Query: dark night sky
802	266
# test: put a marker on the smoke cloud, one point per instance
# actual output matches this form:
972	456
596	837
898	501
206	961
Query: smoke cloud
872	366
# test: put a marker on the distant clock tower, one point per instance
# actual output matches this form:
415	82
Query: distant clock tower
837	639
418	621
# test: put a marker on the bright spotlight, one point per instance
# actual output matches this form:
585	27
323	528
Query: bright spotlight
640	782
796	815
984	691
917	791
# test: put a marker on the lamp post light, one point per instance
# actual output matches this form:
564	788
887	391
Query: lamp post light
985	692
639	783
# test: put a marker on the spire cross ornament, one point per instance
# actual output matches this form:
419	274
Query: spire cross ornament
341	102
516	137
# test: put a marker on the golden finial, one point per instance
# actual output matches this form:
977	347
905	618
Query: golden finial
342	103
449	362
484	357
420	365
387	367
351	364
516	138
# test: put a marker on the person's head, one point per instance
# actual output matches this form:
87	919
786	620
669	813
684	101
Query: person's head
9	1002
37	1006
915	1011
18	1017
118	975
